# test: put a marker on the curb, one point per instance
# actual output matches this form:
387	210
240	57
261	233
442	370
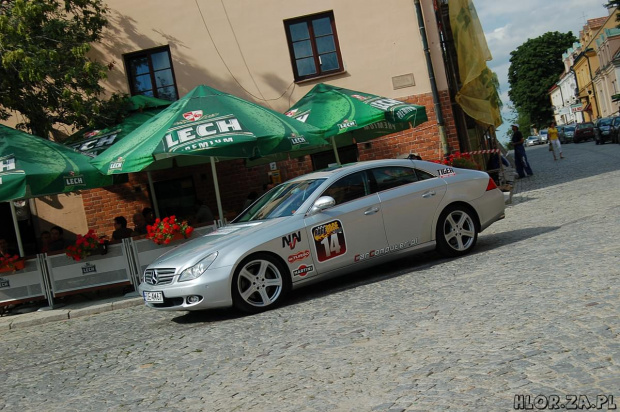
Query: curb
41	317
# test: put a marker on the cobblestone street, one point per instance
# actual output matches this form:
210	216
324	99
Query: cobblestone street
534	310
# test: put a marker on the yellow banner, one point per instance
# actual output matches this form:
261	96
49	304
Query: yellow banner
478	96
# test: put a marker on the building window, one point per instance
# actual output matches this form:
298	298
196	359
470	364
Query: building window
150	73
313	45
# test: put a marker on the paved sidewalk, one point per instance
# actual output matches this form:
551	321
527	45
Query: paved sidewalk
74	307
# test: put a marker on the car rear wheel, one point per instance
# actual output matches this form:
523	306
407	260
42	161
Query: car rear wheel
457	231
260	282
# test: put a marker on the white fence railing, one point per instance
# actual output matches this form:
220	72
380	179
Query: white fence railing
51	276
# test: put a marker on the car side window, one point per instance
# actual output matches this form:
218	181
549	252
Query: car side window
350	187
390	177
422	175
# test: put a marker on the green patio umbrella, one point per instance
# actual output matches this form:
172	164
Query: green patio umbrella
95	140
207	123
31	166
344	114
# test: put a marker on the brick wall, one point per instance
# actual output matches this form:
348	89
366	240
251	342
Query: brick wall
236	181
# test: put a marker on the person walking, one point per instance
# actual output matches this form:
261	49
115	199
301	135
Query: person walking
554	141
523	166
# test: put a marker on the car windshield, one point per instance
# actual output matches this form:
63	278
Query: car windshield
282	200
569	129
604	122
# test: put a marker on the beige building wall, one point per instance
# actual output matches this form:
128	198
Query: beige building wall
64	210
240	47
587	71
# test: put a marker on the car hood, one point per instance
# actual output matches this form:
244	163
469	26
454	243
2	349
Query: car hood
190	253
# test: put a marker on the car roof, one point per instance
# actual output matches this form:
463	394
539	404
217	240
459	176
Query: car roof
345	169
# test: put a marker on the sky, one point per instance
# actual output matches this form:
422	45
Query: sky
507	24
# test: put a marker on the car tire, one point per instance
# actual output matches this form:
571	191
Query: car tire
457	231
260	283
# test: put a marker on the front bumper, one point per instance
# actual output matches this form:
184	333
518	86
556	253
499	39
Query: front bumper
213	287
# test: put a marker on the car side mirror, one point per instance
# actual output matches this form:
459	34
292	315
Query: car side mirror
322	203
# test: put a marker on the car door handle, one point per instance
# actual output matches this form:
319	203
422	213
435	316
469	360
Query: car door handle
428	194
371	211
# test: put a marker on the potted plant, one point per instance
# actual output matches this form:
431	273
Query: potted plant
11	263
84	246
463	161
168	229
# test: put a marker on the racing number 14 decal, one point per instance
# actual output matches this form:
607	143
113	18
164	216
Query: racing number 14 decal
329	240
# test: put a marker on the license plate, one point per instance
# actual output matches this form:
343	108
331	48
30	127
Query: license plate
154	297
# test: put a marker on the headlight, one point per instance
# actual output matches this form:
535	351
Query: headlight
198	269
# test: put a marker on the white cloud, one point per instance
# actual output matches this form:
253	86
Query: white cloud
509	23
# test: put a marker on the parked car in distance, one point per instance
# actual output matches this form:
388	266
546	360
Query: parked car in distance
583	131
543	136
324	224
615	138
603	130
532	141
566	134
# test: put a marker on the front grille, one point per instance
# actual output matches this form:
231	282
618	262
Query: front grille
159	276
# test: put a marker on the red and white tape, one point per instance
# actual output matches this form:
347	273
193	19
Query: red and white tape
482	151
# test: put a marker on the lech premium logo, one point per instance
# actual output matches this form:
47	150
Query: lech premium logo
296	140
8	166
74	180
7	163
204	134
346	124
4	283
96	144
117	164
89	268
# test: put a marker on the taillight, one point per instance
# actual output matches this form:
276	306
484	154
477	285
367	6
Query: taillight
491	185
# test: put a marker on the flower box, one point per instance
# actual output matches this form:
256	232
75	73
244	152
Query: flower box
168	229
85	246
11	267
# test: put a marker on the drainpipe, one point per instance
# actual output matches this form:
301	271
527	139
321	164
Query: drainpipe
431	77
598	108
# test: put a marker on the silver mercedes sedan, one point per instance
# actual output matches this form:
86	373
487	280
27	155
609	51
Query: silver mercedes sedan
325	224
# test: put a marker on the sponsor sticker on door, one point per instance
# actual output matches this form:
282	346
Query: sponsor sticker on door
329	240
303	270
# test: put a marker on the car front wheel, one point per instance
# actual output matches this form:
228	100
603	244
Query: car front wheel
457	231
260	282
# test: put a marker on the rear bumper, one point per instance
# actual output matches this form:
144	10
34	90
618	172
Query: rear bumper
491	207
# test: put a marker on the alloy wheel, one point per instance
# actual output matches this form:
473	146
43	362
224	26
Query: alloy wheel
259	283
459	230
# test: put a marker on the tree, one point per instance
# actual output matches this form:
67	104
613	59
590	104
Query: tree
535	67
45	73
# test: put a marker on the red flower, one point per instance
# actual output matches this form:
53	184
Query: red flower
84	246
164	230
